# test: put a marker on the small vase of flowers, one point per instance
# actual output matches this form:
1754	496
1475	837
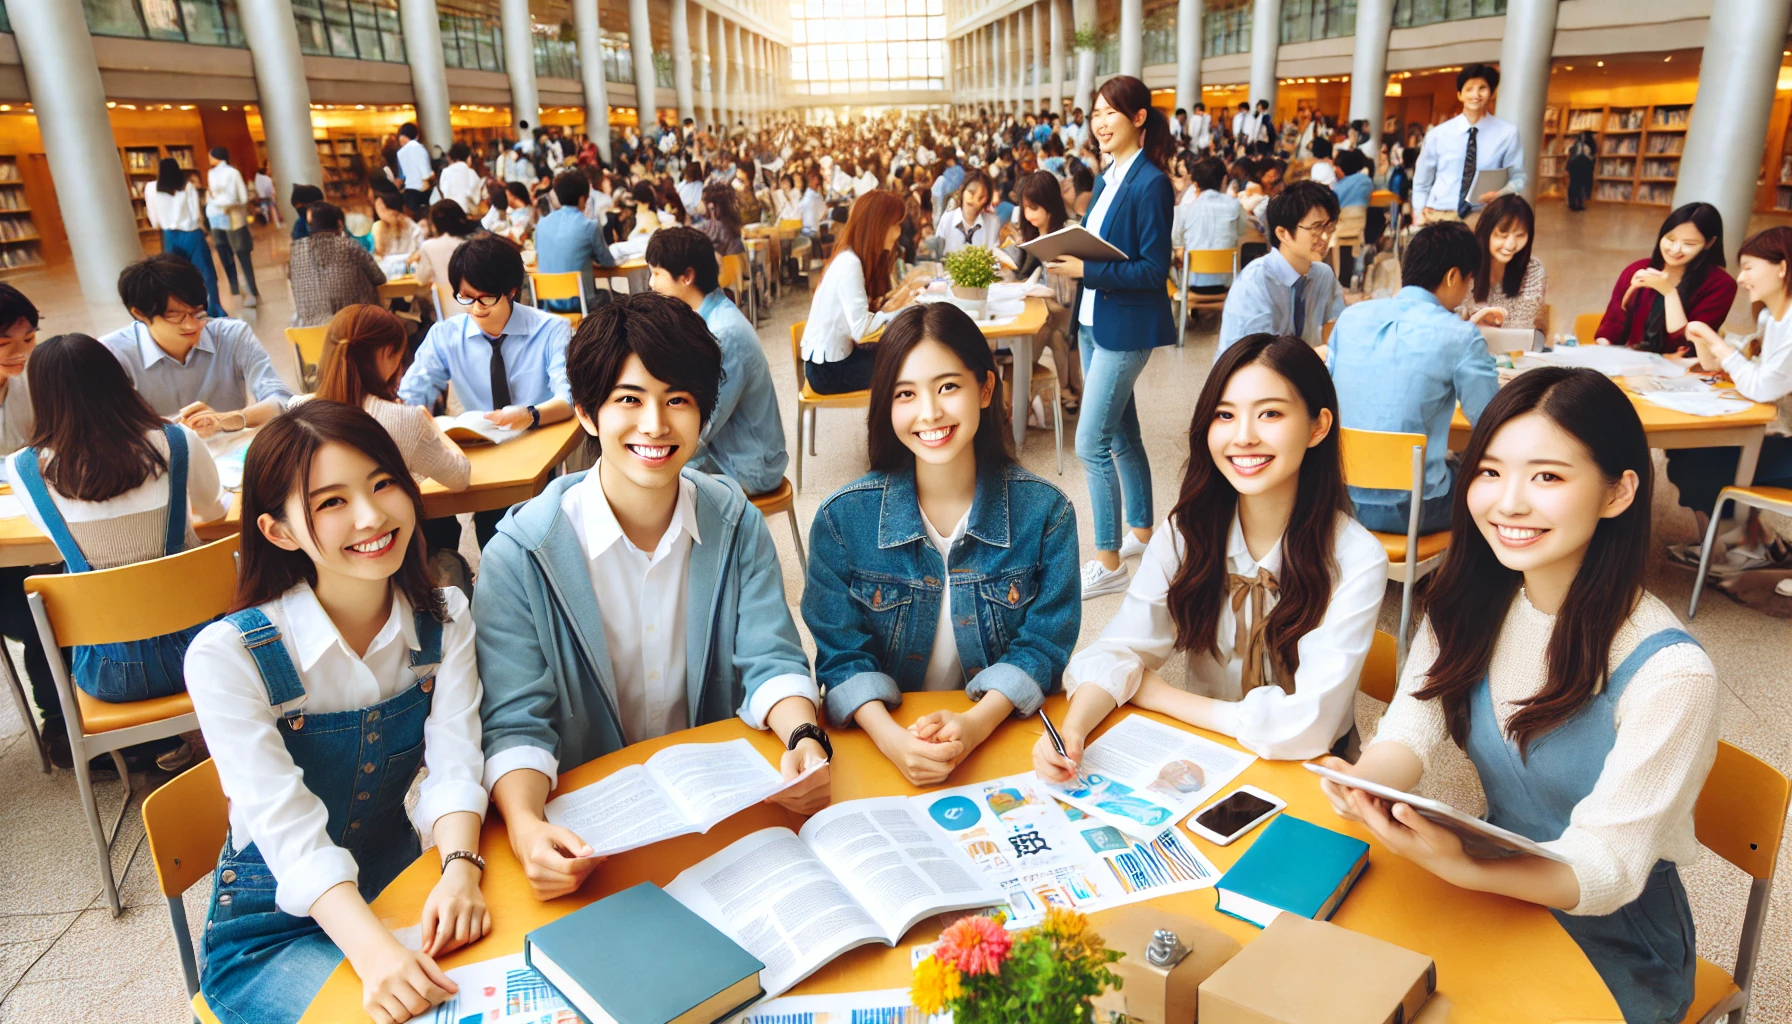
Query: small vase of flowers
971	270
1047	974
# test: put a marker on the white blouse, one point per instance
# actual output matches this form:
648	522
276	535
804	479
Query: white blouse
173	212
840	313
1267	721
1768	378
269	804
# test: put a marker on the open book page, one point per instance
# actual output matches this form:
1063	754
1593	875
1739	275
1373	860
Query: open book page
1041	852
772	895
896	865
620	812
712	781
1141	776
471	427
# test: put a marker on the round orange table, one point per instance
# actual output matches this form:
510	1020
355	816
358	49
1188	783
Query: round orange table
1497	959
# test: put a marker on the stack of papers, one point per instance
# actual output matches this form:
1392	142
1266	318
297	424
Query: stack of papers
1611	360
1710	403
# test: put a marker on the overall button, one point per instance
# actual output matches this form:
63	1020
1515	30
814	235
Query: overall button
428	684
353	825
373	737
368	767
373	716
227	877
363	795
224	900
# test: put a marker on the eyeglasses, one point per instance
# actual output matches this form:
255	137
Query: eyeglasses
1322	228
482	301
198	318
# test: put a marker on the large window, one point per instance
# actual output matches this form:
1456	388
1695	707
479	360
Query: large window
1226	28
1306	20
845	47
471	38
211	22
1408	13
357	29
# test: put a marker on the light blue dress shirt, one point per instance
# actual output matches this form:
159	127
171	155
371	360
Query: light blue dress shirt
566	240
744	438
1263	300
227	370
1355	189
1403	364
457	350
1211	220
1437	182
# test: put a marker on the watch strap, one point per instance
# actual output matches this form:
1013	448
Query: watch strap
810	731
466	855
534	417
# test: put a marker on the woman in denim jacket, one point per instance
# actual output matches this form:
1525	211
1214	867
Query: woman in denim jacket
944	501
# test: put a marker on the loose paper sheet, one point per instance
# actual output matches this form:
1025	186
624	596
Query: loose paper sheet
1141	776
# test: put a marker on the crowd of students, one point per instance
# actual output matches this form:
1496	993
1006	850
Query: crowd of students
644	596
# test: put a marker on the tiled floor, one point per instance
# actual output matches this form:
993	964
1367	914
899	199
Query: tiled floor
63	957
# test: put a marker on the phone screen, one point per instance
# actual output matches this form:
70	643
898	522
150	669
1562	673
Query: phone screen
1234	813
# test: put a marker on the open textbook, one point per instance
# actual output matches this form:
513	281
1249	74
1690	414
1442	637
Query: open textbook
683	789
1141	776
859	872
472	428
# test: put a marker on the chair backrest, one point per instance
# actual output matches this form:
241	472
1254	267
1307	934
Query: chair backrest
1212	261
309	341
1382	197
563	285
1351	221
1741	812
444	298
790	225
1586	327
131	602
186	820
732	270
1379	679
796	350
1382	459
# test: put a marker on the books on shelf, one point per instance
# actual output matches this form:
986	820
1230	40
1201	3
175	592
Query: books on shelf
1670	117
1618	168
1625	119
1584	120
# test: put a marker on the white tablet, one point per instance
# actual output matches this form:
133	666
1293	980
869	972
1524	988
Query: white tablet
1479	838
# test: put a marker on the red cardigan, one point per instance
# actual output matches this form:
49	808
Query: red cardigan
1710	304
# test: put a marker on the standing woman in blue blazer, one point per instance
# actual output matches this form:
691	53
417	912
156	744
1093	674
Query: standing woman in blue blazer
1124	313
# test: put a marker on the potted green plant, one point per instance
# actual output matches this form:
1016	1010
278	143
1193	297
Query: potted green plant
1048	974
971	270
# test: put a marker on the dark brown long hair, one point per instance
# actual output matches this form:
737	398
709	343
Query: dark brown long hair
951	327
1041	189
1505	210
870	220
278	461
93	422
1469	595
1208	502
1128	96
361	332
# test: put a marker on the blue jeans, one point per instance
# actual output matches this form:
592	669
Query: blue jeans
1434	514
191	244
1108	442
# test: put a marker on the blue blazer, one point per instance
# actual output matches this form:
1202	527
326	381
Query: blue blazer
1132	303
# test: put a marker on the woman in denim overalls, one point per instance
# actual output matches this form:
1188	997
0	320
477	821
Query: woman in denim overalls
342	672
1589	714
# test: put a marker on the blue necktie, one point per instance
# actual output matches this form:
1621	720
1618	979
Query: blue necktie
1300	308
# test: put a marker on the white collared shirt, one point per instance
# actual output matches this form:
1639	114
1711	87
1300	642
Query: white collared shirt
224	190
957	234
413	163
1267	721
269	803
1097	218
840	313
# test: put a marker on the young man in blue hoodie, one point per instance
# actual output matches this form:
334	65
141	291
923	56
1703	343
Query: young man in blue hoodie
637	598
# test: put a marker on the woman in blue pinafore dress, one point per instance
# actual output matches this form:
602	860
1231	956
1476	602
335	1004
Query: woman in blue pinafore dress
341	673
1589	714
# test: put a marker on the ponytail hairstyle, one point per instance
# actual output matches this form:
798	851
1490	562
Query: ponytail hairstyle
362	333
1128	95
1468	597
1208	503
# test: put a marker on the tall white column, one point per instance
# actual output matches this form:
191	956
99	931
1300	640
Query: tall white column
1018	26
519	63
1524	75
725	100
1266	40
681	61
1085	55
283	94
64	78
588	30
737	80
1132	37
706	94
1369	68
755	95
1188	52
1038	57
1736	82
999	40
422	30
1055	65
640	45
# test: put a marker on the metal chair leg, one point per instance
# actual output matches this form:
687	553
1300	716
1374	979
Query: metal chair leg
24	705
799	434
1058	424
812	413
102	842
1698	584
796	537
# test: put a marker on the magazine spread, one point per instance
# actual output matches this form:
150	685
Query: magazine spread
1141	776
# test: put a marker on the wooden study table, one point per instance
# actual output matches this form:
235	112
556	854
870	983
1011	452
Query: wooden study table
502	476
1497	959
404	286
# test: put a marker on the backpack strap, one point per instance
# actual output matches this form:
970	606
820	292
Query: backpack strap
29	474
177	489
262	639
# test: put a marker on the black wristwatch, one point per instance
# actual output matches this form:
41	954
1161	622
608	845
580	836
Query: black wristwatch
534	417
810	731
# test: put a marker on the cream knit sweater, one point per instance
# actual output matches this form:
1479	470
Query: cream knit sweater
1640	811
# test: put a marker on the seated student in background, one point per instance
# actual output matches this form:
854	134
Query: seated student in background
856	295
1322	170
1291	290
568	241
1259	573
211	374
1042	212
1591	718
449	226
973	222
1509	284
1404	364
1209	219
504	359
394	232
945	500
646	562
744	436
1681	282
335	611
328	269
18	423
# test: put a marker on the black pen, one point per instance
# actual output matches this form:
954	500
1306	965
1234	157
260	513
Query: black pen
1058	745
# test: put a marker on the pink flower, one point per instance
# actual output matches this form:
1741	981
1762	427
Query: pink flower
975	945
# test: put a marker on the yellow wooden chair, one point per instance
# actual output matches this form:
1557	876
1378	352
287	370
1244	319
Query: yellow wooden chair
1384	460
783	499
1352	223
1773	499
1202	261
1044	379
308	348
808	400
736	272
1586	328
111	606
1380	678
565	285
186	821
1740	816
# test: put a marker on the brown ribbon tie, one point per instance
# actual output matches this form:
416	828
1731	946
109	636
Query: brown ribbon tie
1250	642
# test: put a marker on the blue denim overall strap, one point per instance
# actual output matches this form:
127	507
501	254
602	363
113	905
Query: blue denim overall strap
32	480
1644	951
263	966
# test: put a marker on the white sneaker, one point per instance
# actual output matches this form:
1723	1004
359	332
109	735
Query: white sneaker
1098	579
1131	545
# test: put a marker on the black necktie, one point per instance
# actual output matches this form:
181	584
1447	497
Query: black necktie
500	379
970	230
1468	175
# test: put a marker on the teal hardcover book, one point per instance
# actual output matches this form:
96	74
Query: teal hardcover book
640	957
1294	867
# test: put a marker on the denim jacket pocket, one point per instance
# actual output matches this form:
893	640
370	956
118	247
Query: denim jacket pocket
1004	603
885	602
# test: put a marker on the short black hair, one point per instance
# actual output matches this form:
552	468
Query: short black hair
1286	209
1485	72
571	187
1350	161
408	129
1209	173
460	151
220	153
1435	251
517	189
324	216
146	285
1322	149
673	342
680	250
488	263
305	195
14	306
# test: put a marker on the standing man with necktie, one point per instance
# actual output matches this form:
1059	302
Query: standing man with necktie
1462	147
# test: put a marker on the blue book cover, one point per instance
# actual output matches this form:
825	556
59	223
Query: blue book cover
1296	867
641	957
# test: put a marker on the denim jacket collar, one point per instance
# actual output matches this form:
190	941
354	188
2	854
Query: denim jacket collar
899	519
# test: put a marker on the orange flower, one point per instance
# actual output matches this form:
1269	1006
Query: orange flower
975	945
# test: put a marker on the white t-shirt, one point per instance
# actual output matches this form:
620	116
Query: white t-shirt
944	670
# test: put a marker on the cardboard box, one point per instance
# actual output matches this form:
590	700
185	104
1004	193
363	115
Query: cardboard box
1159	995
1314	972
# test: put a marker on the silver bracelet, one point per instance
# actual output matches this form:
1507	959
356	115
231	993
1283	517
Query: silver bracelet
467	855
